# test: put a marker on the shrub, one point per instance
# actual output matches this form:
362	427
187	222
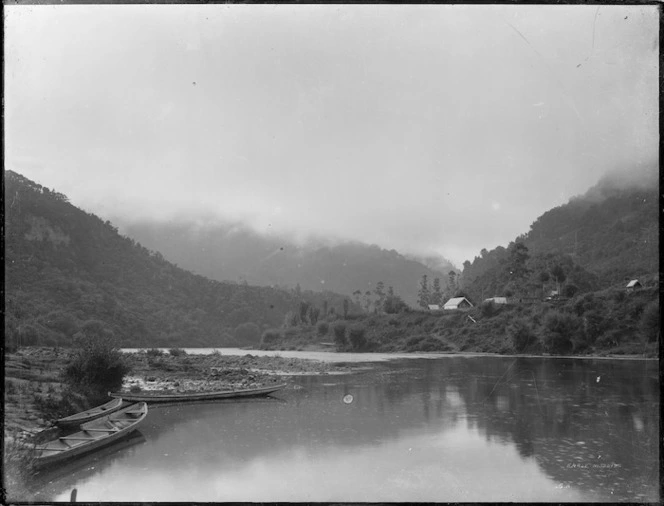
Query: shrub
561	332
154	352
290	333
339	330
570	290
650	321
270	337
97	367
52	407
394	304
520	334
322	328
488	309
610	339
595	323
357	338
413	341
177	352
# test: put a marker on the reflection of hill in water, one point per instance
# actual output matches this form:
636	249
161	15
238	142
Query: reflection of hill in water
554	411
588	424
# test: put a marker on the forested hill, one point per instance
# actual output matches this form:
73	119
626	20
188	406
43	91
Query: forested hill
597	240
232	252
66	270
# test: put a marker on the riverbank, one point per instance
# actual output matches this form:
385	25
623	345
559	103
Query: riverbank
33	374
607	323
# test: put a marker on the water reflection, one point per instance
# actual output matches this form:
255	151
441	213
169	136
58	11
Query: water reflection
453	429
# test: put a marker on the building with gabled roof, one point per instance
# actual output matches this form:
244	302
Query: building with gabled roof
633	285
457	303
497	300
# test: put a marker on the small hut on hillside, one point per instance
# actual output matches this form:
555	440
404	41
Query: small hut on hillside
497	300
634	284
457	303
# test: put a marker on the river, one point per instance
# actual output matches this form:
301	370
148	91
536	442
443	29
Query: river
439	429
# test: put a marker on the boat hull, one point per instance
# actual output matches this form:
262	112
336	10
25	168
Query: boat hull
202	396
90	414
93	435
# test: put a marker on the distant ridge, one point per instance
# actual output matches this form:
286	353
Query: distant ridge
232	252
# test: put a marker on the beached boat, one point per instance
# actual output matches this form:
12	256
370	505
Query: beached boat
90	414
93	435
197	396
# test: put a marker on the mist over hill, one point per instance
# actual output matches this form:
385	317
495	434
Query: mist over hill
234	252
66	269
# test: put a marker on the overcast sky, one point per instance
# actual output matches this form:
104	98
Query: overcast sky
420	128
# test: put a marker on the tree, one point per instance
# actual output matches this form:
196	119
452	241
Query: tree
367	301
437	294
380	295
346	306
394	304
544	278
291	319
423	293
356	297
356	337
304	311
558	274
516	261
313	315
339	330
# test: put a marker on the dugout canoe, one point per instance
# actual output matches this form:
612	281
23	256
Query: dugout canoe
91	414
198	396
93	435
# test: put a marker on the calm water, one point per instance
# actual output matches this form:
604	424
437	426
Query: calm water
439	429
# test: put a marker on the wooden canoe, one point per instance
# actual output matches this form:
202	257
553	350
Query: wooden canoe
90	414
199	396
93	435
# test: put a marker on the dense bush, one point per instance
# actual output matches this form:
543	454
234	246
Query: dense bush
154	352
650	321
322	328
97	367
520	334
570	290
339	330
270	337
356	336
488	309
177	352
562	332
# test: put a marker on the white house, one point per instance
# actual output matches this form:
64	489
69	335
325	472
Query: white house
633	285
497	300
457	303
